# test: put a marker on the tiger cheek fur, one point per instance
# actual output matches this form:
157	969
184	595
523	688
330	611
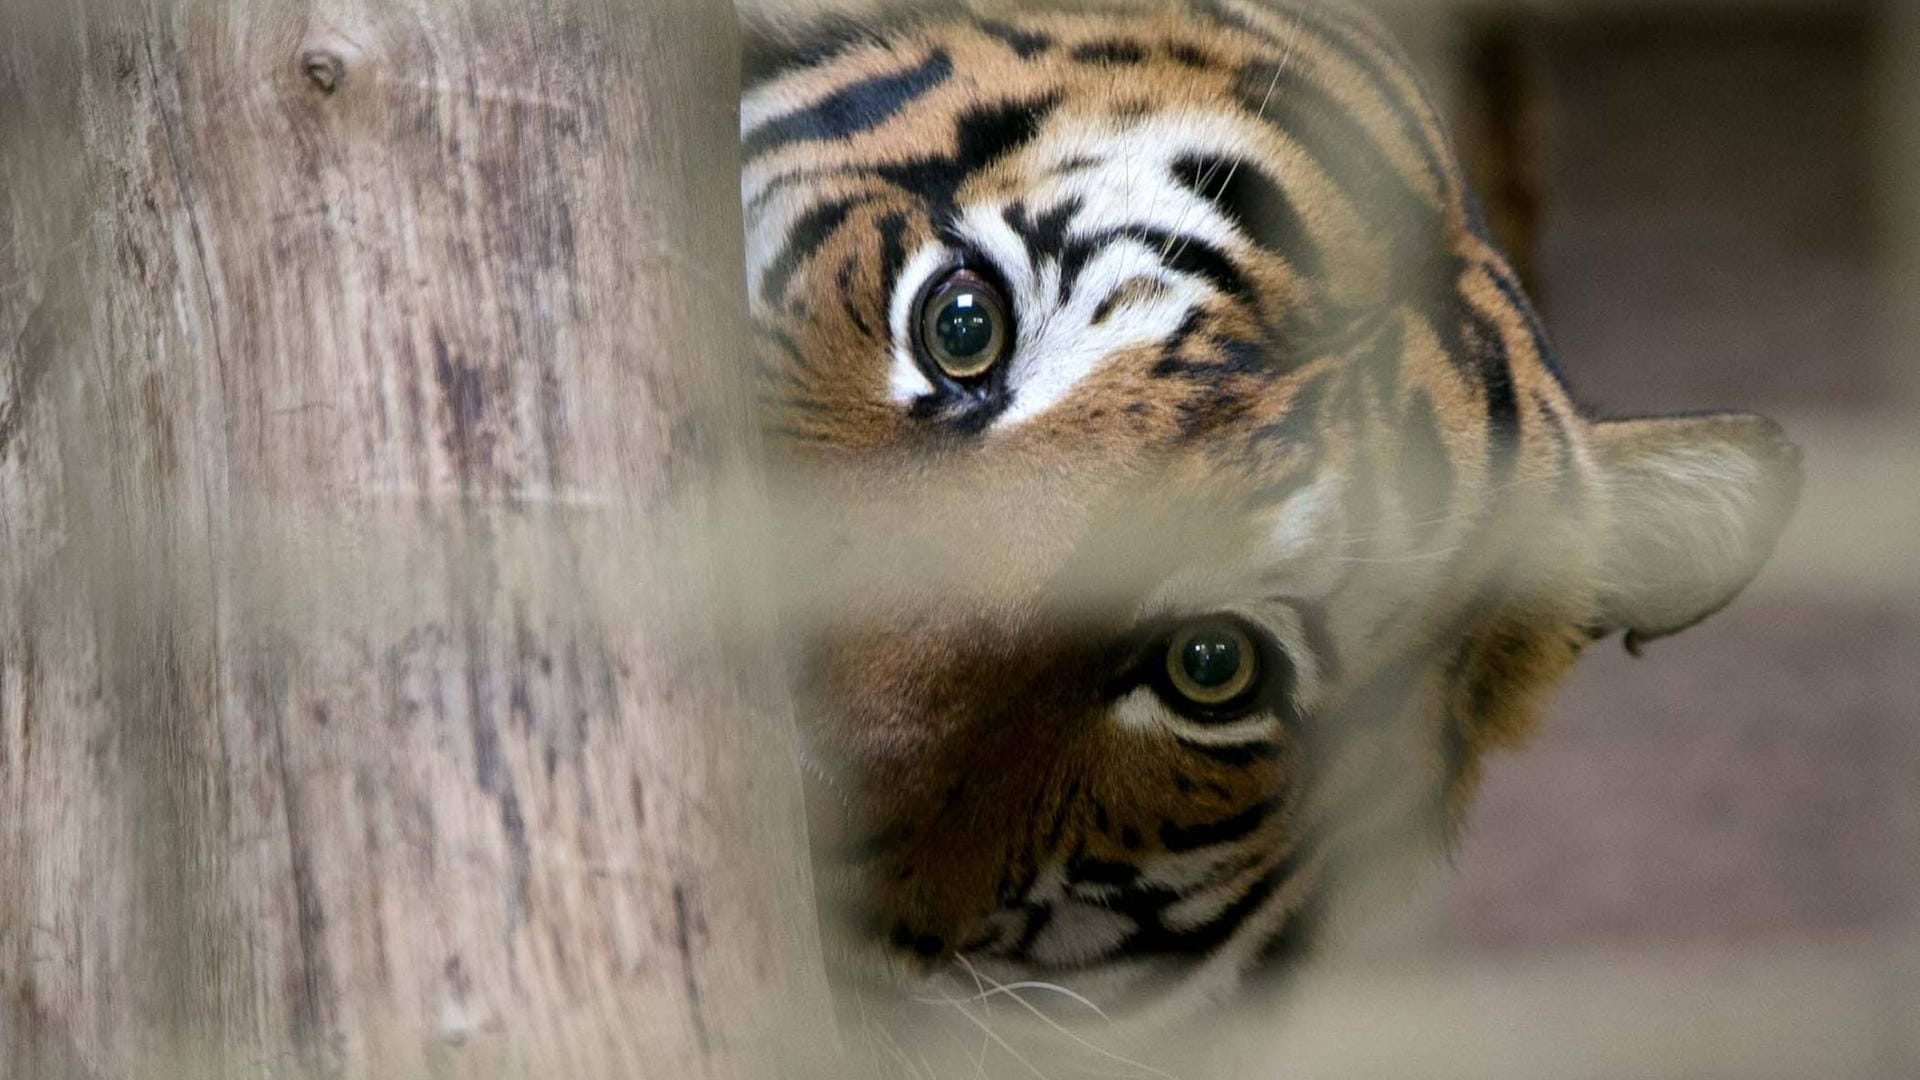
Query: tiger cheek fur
1272	511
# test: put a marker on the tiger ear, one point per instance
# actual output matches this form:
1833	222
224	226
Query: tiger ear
1696	507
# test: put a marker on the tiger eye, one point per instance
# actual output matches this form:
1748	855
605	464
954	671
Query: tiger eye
963	326
1212	664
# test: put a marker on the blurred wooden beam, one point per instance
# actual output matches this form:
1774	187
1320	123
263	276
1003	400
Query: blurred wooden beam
362	712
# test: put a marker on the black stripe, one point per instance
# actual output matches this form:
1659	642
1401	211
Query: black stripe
1476	349
1347	152
1154	937
1171	361
1039	917
1503	280
1026	44
1186	254
1182	838
988	133
772	47
1113	53
767	53
1193	256
1489	350
1074	259
1046	235
1255	205
850	110
893	249
906	938
850	304
982	136
1073	166
1349	40
806	236
1238	755
1188	55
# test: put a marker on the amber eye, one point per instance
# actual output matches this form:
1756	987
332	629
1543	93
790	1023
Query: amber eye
964	326
1212	664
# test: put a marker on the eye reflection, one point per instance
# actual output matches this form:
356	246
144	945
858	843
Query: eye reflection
1212	664
964	328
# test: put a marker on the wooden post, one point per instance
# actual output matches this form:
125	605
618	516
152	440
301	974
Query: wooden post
367	374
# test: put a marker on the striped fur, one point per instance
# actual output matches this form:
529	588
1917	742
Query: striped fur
1247	277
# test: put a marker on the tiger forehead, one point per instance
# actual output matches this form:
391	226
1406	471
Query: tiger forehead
1181	207
1315	149
896	95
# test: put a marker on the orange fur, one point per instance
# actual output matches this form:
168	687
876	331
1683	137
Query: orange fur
1355	438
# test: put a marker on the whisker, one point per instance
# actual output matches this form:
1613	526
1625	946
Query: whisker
979	986
1003	1044
1012	990
1006	989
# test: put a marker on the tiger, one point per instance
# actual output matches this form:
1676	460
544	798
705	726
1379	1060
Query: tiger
1207	498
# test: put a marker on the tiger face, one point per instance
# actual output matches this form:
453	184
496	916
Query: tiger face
1206	496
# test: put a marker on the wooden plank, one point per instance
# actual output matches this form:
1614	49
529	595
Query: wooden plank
361	712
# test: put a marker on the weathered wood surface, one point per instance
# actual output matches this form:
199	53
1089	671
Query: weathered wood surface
364	371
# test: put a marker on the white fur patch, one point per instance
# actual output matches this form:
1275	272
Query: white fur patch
1125	182
907	382
1079	934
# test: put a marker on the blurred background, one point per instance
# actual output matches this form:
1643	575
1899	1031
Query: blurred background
1708	864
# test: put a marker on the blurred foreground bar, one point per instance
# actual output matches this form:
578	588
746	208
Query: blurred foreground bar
443	286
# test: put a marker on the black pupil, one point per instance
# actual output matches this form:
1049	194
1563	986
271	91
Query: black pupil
964	326
1212	659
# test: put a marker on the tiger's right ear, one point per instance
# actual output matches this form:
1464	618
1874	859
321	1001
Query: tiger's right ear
1696	506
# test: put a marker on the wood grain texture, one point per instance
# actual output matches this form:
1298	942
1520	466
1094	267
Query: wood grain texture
365	372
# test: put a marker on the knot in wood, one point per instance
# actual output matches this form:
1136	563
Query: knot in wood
324	68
